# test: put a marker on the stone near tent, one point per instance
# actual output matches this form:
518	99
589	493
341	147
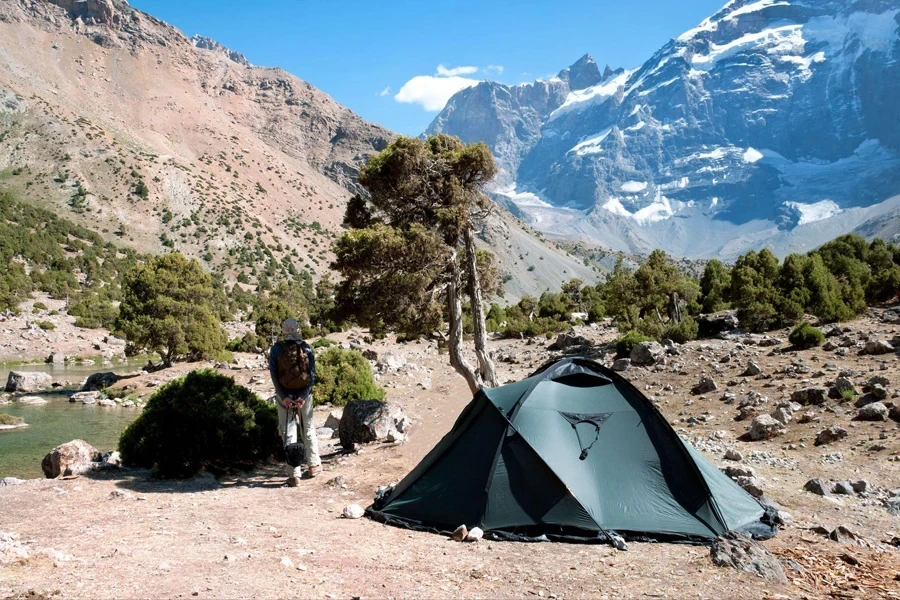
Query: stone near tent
564	341
72	458
705	386
621	364
810	395
765	427
647	353
27	381
876	411
459	534
732	454
99	382
740	552
817	486
878	347
366	421
831	434
353	511
475	535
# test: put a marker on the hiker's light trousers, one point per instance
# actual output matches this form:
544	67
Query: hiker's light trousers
307	433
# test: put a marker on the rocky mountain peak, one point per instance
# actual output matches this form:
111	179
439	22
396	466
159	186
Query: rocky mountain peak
91	11
582	74
205	43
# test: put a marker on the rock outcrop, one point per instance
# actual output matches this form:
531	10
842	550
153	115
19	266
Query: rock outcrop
72	458
366	421
25	381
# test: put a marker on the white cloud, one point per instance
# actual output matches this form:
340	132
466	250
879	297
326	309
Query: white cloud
443	71
385	92
431	92
498	69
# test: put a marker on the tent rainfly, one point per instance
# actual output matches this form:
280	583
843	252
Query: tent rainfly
576	453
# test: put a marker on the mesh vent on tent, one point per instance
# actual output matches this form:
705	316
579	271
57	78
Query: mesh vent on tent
576	419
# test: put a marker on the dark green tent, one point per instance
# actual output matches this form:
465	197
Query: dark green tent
573	452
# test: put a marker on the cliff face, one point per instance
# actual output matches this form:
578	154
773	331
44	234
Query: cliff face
771	123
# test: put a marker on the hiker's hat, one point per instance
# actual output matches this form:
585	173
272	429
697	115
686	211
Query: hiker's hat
291	329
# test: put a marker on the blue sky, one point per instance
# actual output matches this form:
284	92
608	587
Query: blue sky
363	53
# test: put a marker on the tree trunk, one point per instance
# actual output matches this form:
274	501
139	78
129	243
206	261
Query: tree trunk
455	341
485	364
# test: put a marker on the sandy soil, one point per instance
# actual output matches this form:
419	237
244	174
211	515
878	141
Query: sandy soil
126	535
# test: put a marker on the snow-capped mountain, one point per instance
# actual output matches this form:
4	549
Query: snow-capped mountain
773	122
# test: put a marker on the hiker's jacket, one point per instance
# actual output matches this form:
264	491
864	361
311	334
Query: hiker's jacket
274	353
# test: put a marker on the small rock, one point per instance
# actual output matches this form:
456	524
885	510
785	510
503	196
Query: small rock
459	534
353	511
706	385
621	364
764	427
843	488
842	388
817	487
878	347
732	454
810	395
831	434
740	552
875	411
752	369
286	562
333	420
475	535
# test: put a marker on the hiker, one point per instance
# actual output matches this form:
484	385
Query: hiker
292	365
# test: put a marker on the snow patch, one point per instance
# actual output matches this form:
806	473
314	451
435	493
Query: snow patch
752	155
591	145
596	94
523	199
633	187
817	211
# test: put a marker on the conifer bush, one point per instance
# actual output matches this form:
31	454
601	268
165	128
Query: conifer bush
201	420
806	336
626	343
342	376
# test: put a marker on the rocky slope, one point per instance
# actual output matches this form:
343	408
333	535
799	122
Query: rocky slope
122	123
771	123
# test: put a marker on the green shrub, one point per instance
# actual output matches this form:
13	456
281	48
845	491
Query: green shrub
45	325
6	419
323	343
682	332
248	343
806	336
40	306
201	420
626	343
342	376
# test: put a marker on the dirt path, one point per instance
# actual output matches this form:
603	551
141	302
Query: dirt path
129	536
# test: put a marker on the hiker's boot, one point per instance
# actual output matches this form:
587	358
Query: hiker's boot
293	481
313	471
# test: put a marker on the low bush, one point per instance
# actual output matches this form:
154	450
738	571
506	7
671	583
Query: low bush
201	420
6	419
323	343
39	306
342	376
45	325
806	336
626	343
683	332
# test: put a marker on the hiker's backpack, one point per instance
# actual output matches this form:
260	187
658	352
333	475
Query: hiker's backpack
293	366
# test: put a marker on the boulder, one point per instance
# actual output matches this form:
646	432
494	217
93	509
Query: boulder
114	341
877	347
391	361
334	419
894	413
764	427
879	391
460	533
783	415
752	369
31	400
876	411
732	454
810	395
647	353
476	534
879	380
564	341
621	364
842	387
85	397
72	458
831	434
817	487
843	488
56	358
27	381
739	552
353	511
366	421
370	354
713	324
99	382
706	385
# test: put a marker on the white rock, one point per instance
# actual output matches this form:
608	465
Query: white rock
353	511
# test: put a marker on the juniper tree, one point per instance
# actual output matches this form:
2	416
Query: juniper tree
410	256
